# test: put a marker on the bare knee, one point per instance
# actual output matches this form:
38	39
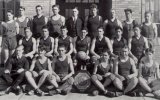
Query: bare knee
28	74
134	80
94	77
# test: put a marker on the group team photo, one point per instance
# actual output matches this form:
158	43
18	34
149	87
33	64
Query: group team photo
82	54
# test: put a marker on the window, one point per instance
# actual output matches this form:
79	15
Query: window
82	1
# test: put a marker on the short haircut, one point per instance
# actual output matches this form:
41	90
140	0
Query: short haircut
22	7
27	28
149	50
10	11
100	27
85	28
118	27
128	10
39	6
64	27
45	27
62	46
148	12
93	6
75	8
137	26
55	6
42	48
125	47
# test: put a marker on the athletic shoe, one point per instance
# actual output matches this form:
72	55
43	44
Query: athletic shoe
18	91
2	93
39	92
110	94
118	94
53	92
31	92
95	92
133	94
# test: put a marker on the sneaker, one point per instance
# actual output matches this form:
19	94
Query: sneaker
140	94
31	92
133	94
2	93
110	94
53	92
39	92
95	92
118	94
18	91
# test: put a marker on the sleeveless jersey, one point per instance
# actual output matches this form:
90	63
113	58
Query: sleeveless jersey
82	45
102	71
39	66
11	29
47	43
28	45
100	46
124	68
66	42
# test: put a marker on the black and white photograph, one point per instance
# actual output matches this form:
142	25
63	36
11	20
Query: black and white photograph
79	49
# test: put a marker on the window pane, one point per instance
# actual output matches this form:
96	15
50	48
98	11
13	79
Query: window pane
86	12
72	1
78	1
85	1
96	1
91	1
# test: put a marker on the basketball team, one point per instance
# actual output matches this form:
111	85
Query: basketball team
43	51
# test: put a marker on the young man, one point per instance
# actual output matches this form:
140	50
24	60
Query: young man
65	40
15	69
63	71
40	67
55	22
118	42
46	41
103	74
111	24
93	21
74	24
29	43
149	73
39	20
22	20
100	43
149	29
9	42
128	24
137	44
125	72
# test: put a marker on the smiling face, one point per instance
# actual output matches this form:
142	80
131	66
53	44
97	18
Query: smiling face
105	56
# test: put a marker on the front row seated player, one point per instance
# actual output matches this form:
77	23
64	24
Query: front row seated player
62	73
15	70
149	73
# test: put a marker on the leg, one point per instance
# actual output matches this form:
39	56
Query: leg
43	78
67	85
6	55
31	80
52	80
132	84
96	81
108	80
118	84
144	85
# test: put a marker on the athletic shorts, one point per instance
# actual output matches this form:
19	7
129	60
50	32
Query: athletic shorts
9	43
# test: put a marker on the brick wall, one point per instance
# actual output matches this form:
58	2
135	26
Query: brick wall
31	4
120	5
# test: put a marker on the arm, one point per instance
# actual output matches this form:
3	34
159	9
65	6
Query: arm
49	66
71	48
109	44
74	46
134	70
26	65
86	21
52	48
95	69
119	23
93	47
146	43
30	54
56	46
157	71
105	24
63	20
20	42
32	64
46	20
17	28
89	45
71	69
38	40
155	30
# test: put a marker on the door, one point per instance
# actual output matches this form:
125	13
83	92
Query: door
83	6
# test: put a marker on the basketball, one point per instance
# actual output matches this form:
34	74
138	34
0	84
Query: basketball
81	55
